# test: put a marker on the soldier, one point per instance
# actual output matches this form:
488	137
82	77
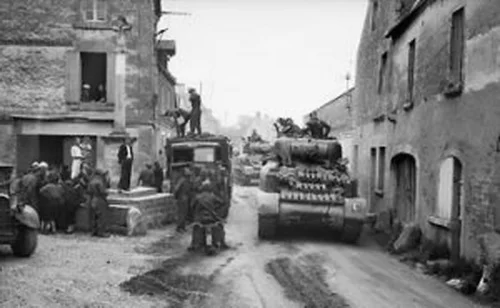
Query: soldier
99	206
182	192
255	137
195	118
51	202
317	128
207	207
181	118
29	187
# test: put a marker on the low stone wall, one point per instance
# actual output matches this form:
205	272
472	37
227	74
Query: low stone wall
155	210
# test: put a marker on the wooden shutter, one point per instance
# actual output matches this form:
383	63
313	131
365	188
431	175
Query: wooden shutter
73	76
110	78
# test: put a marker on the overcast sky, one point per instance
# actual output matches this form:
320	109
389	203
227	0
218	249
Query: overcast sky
283	58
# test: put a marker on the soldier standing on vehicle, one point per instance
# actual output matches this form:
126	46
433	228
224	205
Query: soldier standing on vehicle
195	118
182	192
317	128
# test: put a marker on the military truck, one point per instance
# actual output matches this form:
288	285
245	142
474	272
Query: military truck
247	165
203	152
307	184
18	226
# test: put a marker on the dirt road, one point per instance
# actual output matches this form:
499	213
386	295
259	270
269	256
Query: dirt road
156	271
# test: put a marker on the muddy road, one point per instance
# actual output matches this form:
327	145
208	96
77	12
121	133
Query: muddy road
157	271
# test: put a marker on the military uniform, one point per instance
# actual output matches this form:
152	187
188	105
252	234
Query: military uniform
99	207
182	192
207	208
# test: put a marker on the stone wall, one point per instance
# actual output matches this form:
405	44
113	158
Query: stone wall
436	126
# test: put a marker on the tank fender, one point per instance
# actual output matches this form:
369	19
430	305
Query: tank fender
356	208
268	203
28	217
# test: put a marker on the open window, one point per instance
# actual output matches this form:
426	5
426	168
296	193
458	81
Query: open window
94	10
93	77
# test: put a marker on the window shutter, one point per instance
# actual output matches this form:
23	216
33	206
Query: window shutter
73	76
110	77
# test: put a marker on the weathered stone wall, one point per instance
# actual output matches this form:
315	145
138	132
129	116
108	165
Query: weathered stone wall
32	79
437	126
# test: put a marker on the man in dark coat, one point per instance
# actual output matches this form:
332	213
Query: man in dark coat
195	118
99	207
158	176
125	159
183	191
146	177
317	128
73	197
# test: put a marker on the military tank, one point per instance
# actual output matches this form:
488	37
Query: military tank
247	165
307	184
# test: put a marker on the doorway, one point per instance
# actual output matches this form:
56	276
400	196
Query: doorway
449	203
405	179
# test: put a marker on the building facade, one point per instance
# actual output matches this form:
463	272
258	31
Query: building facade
338	114
427	114
82	68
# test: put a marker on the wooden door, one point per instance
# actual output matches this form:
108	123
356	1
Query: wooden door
405	192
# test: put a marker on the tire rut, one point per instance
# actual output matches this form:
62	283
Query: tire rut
305	283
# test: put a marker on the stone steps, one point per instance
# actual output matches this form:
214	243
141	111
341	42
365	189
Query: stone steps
133	213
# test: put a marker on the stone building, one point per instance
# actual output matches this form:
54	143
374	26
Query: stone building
55	54
427	114
338	114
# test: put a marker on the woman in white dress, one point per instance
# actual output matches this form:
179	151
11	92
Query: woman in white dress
77	157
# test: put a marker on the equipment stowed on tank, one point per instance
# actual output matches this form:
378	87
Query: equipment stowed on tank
308	185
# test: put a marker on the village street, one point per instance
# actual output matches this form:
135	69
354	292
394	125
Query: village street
157	271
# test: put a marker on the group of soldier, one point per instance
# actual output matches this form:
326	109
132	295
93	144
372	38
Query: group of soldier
201	201
56	200
315	128
182	117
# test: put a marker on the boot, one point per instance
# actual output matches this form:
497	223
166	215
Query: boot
70	229
53	228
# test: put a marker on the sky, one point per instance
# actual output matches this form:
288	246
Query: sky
282	58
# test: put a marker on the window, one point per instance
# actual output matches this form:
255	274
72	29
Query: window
204	155
450	189
457	45
373	160
356	159
377	156
411	69
94	10
374	14
381	168
382	69
93	77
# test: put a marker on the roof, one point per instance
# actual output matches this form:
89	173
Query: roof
335	99
197	138
403	23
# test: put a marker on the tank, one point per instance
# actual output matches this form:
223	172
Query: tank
247	166
307	184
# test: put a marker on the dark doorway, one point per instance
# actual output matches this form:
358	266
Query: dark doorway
93	75
404	173
51	149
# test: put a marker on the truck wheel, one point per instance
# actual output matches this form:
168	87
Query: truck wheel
267	227
352	231
26	242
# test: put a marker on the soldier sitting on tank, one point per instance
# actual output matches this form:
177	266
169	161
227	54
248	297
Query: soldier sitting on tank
317	128
255	137
207	207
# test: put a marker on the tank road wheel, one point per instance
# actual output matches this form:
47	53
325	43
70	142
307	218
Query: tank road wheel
352	231
267	227
26	242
